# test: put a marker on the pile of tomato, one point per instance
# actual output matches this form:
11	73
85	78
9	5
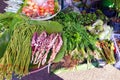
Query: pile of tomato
32	9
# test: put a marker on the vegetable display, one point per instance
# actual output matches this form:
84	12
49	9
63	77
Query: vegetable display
83	19
17	55
80	44
18	64
38	8
75	38
82	40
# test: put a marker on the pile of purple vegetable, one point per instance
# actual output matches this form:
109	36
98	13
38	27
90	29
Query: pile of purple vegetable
44	45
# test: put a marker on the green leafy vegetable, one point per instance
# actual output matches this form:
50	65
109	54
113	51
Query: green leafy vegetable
63	50
4	39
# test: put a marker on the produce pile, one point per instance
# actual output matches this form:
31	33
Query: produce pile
40	8
82	18
7	23
35	9
84	42
16	51
42	45
74	39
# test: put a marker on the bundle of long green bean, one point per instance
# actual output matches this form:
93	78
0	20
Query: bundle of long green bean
17	56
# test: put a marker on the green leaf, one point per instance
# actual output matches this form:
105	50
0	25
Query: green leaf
4	40
49	26
62	52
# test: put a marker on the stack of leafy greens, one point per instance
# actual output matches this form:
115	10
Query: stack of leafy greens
80	44
83	19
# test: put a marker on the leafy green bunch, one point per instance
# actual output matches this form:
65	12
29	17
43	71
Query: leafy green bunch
83	19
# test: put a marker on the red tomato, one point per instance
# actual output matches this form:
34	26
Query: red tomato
51	12
35	10
25	9
47	9
51	6
41	7
50	2
30	7
42	10
35	7
28	14
51	9
41	14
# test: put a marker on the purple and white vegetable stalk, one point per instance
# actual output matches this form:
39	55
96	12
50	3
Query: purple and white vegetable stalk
41	46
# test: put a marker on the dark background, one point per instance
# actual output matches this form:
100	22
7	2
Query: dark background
2	6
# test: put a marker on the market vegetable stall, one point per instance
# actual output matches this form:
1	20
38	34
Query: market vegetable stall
65	41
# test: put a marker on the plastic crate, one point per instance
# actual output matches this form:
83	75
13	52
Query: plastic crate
117	54
114	37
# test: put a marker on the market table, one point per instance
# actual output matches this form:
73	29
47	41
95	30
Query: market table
108	72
